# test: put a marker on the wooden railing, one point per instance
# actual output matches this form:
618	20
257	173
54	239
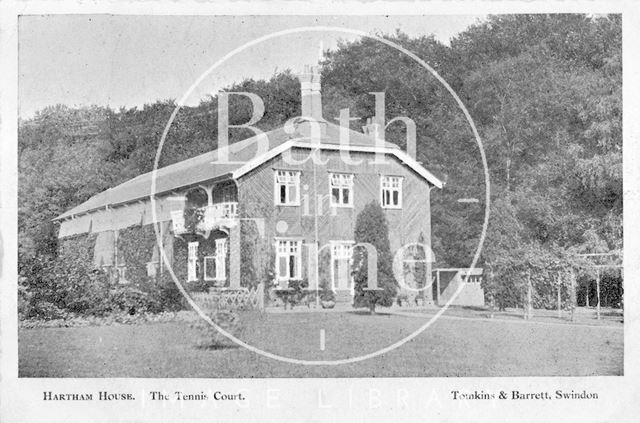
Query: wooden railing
213	217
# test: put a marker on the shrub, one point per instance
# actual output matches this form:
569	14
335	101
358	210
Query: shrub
402	299
295	294
167	294
326	293
268	276
197	286
209	337
88	292
24	298
133	301
44	310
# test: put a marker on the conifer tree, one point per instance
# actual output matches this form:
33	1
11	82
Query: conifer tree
371	227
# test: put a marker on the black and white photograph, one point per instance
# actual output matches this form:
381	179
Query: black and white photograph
334	143
320	197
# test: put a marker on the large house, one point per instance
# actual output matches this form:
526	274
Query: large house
253	216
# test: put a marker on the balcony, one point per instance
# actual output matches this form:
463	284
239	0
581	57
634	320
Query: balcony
216	216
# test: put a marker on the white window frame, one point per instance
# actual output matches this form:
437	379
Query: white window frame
122	274
288	178
285	248
152	269
220	260
341	182
341	250
192	261
391	184
472	279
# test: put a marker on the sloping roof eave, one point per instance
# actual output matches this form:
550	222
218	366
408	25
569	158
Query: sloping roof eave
197	172
78	210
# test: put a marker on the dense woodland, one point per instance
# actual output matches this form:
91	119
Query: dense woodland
545	92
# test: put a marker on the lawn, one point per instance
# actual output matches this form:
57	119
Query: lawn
452	346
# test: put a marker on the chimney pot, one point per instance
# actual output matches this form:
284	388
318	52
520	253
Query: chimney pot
371	128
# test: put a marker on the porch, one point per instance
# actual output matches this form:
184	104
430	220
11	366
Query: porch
208	221
207	208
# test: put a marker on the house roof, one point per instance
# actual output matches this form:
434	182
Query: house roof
242	157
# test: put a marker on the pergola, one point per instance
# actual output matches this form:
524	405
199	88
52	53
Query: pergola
600	261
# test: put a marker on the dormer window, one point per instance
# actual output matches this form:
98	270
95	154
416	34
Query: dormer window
287	188
391	192
341	188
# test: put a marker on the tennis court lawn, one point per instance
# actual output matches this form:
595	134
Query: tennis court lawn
452	346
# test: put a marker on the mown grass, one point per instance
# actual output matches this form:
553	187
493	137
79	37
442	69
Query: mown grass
450	347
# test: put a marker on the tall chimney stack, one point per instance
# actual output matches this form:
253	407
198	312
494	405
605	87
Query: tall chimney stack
310	90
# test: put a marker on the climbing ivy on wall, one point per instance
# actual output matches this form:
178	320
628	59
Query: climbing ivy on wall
249	241
135	250
206	247
78	249
80	287
324	267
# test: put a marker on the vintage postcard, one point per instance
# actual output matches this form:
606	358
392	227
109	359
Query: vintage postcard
354	211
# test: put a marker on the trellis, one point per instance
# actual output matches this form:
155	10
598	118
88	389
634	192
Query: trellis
230	298
571	288
613	259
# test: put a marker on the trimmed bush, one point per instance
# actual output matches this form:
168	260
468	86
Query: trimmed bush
133	301
210	337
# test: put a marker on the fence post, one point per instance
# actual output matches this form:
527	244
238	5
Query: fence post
528	313
260	296
573	300
559	281
598	293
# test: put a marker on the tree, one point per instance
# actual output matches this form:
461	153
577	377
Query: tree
371	227
420	273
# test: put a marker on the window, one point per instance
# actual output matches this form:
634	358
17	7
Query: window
121	271
391	191
341	261
472	278
215	267
341	186
287	188
288	259
192	262
152	269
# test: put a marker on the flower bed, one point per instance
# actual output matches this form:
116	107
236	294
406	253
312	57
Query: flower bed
111	319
